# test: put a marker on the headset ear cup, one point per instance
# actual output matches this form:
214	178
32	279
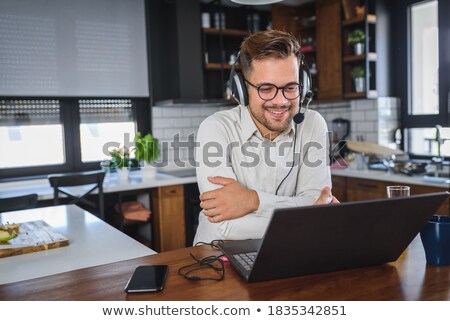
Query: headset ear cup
238	88
305	80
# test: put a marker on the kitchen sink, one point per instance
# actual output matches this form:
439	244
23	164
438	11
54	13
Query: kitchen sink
439	178
441	174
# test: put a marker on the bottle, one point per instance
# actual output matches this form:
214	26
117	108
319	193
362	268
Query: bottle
206	20
313	69
255	22
227	92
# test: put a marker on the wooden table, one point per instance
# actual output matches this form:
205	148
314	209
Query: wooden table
409	278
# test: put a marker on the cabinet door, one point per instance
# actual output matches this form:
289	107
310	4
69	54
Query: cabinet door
420	189
363	189
328	31
339	189
168	218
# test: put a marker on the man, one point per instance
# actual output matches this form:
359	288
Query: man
246	153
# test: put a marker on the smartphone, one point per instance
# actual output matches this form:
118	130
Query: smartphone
147	278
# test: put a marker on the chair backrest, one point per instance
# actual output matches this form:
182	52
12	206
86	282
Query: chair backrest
18	202
94	178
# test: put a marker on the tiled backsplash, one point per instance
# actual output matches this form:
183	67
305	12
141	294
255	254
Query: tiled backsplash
375	120
183	121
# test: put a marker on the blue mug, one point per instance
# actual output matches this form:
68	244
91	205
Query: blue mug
436	240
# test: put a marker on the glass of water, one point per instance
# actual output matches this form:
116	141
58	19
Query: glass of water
397	191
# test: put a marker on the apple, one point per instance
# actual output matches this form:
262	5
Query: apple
6	236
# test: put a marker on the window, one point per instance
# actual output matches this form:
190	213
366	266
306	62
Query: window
103	121
31	133
73	76
39	136
424	58
425	102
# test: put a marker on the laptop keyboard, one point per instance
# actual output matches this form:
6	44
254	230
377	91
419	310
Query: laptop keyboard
246	259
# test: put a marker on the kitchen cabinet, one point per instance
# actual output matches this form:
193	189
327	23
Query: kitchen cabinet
317	26
224	29
168	218
347	189
365	59
339	184
329	50
218	47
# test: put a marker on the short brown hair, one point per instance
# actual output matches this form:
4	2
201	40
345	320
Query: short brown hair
267	43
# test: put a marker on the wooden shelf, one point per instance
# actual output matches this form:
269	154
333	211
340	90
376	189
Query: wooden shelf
226	32
372	56
370	94
371	18
354	95
217	66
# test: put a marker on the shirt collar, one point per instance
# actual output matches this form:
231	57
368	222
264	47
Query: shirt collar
247	124
249	127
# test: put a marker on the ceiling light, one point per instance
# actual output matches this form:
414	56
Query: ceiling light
255	2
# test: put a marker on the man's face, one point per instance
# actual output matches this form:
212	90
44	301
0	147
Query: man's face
274	116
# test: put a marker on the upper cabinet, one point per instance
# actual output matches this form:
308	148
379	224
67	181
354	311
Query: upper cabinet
359	43
345	43
223	29
317	25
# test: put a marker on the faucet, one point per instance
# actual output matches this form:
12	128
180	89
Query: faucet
438	160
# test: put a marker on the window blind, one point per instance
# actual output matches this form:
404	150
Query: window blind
15	112
66	48
106	110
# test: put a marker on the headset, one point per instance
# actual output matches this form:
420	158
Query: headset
240	94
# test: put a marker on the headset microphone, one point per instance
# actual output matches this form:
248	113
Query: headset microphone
300	116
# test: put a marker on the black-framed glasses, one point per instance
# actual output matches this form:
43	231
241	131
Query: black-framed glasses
268	91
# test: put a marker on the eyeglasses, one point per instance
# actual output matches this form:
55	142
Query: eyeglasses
269	91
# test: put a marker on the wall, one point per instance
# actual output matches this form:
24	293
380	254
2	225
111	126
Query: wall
184	121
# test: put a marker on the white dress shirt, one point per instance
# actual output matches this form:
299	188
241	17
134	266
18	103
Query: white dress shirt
232	146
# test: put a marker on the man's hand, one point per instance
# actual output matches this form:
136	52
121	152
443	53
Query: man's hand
228	202
326	197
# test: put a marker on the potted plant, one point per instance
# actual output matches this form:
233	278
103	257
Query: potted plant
120	162
357	74
357	39
146	152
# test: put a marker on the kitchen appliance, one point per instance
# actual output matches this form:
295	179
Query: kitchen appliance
341	130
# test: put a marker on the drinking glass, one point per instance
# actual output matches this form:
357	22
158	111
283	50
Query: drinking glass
397	191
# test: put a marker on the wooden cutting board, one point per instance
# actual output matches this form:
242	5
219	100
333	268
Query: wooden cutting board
372	149
33	236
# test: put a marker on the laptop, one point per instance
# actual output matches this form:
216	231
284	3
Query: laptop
331	237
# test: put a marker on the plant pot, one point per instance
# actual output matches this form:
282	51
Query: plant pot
358	48
436	240
360	85
148	171
123	174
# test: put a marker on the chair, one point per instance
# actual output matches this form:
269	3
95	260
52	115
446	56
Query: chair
18	202
95	178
